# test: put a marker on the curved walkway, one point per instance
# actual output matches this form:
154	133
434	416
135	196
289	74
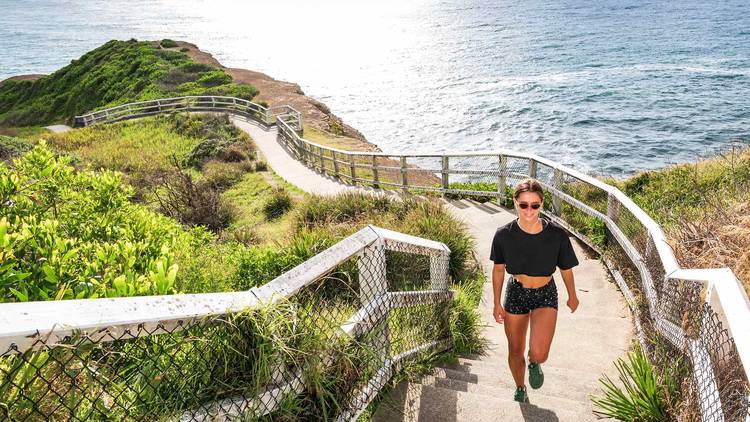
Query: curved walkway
479	388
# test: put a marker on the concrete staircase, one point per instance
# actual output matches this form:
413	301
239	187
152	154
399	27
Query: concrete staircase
480	387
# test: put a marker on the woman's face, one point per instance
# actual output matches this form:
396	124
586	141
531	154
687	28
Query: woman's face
529	198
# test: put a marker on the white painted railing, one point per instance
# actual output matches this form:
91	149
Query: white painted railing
716	298
43	327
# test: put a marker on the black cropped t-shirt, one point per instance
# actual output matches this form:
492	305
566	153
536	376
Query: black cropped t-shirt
533	254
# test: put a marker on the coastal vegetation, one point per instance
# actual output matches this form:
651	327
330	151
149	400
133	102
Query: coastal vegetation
101	212
113	74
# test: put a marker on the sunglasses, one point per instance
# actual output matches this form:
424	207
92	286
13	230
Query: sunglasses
534	206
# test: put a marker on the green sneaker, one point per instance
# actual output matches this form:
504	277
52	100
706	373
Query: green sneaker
536	376
521	395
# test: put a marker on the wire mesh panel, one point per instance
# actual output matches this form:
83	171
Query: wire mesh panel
314	346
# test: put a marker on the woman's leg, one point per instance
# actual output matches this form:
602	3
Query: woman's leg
515	330
543	322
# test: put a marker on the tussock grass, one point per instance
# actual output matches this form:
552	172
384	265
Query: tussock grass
704	209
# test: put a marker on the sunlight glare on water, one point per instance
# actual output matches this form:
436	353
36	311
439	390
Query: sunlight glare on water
608	87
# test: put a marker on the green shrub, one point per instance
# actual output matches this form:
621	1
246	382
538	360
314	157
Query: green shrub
278	204
167	43
472	186
221	174
214	78
193	204
184	49
13	147
205	151
73	234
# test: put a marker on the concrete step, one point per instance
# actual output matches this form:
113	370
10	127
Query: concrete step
543	395
420	402
557	382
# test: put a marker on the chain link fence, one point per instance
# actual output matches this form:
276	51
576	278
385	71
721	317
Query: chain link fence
317	343
701	315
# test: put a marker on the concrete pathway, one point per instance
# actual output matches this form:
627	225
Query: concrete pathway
58	128
480	388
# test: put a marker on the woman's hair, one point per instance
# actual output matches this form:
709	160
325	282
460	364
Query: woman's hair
529	185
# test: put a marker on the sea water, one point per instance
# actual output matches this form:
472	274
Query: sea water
607	87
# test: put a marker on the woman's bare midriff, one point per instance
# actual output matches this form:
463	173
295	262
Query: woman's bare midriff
532	282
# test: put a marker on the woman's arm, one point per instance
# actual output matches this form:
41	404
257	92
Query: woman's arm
498	274
570	286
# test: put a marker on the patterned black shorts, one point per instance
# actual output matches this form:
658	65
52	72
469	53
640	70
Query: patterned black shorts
520	300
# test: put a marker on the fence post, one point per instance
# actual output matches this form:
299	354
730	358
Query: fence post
335	164
532	168
372	284
446	183
158	102
404	181
375	178
613	208
352	169
439	271
501	180
556	202
322	161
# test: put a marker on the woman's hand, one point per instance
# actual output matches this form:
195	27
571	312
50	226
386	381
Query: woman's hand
573	303
499	314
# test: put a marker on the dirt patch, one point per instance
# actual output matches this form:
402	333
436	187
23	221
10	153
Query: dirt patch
274	92
30	77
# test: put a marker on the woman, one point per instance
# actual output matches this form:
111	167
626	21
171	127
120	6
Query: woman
529	248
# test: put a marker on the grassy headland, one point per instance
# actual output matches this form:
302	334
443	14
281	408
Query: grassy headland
115	73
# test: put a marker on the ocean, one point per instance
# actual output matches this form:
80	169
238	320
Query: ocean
607	87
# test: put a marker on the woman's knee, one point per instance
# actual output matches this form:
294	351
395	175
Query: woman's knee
516	351
538	356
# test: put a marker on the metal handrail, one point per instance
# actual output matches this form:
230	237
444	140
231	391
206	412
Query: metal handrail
724	292
31	326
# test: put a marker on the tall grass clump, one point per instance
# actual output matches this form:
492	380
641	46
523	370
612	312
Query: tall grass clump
645	392
703	209
277	204
115	73
11	147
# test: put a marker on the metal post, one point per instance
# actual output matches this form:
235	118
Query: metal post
404	181
446	184
335	164
613	208
373	284
439	271
375	178
532	168
556	201
501	180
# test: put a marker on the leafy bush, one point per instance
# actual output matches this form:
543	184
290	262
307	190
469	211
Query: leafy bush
205	151
167	43
13	147
214	78
67	234
278	204
193	204
223	175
